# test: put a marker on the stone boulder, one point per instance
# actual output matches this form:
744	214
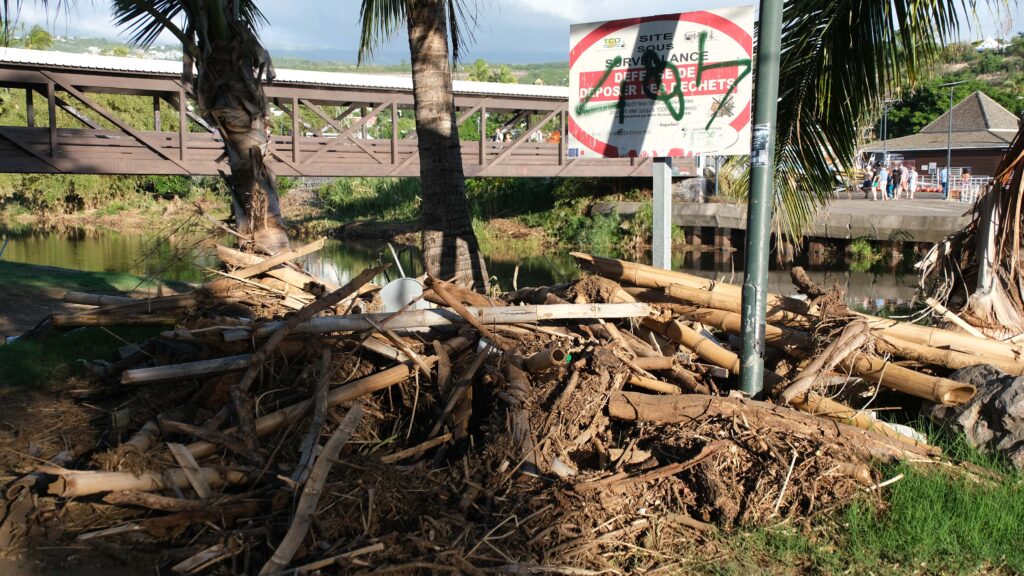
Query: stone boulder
993	420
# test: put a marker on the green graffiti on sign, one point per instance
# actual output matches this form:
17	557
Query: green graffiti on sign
655	68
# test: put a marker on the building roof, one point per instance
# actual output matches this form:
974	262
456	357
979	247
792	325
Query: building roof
38	58
978	122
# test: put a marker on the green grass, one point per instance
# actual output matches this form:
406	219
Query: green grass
387	199
28	276
52	359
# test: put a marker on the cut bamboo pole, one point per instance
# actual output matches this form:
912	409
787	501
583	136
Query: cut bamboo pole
934	388
73	297
300	280
93	319
717	298
939	338
74	483
951	359
654	385
280	258
442	317
784	339
651	277
310	497
268	423
519	417
186	370
547	358
691	339
653	362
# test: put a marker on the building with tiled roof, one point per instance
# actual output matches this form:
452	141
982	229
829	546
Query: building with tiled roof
982	131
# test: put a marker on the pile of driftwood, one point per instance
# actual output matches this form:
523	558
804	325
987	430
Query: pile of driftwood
283	425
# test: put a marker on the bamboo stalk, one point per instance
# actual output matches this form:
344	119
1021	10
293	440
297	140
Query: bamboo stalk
651	277
92	318
441	288
74	483
280	258
442	317
547	358
717	298
87	299
945	313
654	385
153	501
784	339
939	338
653	362
186	370
951	359
310	497
934	388
416	450
820	406
301	280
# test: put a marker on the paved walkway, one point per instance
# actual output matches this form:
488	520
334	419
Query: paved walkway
926	218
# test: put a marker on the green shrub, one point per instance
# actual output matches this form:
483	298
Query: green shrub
372	198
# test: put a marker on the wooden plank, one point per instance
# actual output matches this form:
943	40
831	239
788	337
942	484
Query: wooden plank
191	469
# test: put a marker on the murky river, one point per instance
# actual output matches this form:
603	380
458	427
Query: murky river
338	261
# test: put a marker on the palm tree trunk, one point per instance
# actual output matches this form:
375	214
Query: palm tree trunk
231	95
450	248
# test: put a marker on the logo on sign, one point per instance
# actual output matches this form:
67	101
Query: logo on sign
613	43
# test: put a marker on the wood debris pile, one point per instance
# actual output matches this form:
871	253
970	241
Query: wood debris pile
561	427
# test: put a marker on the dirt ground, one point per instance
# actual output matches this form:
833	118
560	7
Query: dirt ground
21	308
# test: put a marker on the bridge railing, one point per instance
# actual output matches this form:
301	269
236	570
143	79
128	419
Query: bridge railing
79	135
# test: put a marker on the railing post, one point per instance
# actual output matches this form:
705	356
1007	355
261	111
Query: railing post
295	130
30	109
483	134
156	113
394	133
563	131
51	109
182	126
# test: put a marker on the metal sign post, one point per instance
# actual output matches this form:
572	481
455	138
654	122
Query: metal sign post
759	204
661	246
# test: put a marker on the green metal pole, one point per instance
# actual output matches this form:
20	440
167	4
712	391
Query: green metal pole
759	202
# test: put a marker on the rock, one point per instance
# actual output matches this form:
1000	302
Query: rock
993	420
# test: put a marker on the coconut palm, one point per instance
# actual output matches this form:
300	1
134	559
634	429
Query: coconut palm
450	247
38	39
220	37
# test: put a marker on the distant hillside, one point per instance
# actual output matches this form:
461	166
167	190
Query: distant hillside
552	73
999	73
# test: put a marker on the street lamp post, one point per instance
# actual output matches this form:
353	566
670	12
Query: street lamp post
949	138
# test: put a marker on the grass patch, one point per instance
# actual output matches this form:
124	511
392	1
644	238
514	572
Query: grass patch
53	358
15	275
387	199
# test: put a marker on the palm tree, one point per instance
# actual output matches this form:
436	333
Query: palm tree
220	37
38	39
450	247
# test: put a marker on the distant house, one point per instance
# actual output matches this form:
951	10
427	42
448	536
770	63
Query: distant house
982	131
990	43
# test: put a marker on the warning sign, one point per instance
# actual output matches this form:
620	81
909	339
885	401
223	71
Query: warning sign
668	85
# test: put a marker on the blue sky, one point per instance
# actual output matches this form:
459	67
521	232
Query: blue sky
512	31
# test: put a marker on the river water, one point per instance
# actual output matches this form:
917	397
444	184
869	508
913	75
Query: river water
173	259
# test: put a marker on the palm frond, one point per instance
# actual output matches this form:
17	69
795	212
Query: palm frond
840	60
381	19
146	20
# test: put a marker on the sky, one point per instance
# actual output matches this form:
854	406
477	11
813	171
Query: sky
508	31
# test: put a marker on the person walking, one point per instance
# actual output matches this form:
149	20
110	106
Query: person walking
883	184
944	180
912	182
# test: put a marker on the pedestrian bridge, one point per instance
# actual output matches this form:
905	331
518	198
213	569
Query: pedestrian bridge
329	124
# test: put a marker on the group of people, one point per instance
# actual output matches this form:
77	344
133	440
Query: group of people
891	181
